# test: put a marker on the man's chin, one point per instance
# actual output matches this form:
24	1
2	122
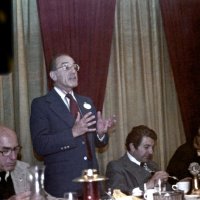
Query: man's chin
10	166
73	85
147	159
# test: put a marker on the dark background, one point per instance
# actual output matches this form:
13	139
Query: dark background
181	19
6	39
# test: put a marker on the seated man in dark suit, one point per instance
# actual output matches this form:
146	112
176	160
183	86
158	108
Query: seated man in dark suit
136	167
13	173
185	154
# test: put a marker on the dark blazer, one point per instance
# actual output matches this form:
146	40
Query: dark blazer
180	161
126	175
51	132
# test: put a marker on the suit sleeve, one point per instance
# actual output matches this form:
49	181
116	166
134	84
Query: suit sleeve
116	178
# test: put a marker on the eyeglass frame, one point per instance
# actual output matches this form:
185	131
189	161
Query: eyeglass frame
67	67
7	152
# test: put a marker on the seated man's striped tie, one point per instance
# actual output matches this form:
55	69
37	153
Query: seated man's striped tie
143	164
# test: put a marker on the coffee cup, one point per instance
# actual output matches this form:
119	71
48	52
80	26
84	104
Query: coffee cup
182	185
148	195
137	192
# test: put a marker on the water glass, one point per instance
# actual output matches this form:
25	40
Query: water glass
70	196
160	186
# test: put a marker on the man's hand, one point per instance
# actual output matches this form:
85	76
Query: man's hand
162	175
103	125
21	196
82	125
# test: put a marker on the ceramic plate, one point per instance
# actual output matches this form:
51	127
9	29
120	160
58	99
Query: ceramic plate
192	197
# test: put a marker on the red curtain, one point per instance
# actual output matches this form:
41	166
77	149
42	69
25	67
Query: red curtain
181	20
83	29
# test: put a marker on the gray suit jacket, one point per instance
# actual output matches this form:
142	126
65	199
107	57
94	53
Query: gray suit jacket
125	175
19	177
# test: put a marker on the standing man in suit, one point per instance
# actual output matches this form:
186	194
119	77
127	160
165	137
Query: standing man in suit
66	142
13	173
136	167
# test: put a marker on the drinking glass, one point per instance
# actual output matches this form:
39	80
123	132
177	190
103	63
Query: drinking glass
70	196
159	185
36	180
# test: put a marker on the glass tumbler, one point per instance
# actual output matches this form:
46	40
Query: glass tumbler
70	196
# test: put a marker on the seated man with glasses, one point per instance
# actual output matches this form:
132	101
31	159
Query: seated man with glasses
13	173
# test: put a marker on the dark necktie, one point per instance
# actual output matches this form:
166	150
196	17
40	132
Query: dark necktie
73	106
142	164
6	186
74	109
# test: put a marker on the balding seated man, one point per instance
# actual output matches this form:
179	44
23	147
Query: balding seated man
13	173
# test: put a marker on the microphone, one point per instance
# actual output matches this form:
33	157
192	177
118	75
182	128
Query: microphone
194	168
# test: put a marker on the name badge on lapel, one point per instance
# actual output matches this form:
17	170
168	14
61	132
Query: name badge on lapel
87	105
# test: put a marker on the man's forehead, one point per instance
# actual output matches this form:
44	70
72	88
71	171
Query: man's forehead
147	140
64	59
6	141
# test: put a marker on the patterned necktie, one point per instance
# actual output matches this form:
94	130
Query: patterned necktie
74	109
143	164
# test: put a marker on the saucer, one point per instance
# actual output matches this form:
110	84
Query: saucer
192	196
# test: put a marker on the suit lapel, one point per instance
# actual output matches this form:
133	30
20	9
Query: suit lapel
19	180
84	109
133	166
129	164
81	104
59	108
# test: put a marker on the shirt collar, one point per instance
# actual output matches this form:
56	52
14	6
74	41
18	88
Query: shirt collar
63	93
7	174
132	159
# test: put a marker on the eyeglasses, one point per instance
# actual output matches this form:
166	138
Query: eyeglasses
8	151
68	67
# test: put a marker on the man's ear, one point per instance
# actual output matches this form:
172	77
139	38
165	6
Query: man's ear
53	76
132	147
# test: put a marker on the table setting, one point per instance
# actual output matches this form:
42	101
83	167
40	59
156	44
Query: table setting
184	189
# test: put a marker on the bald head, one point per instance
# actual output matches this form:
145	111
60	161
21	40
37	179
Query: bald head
5	131
8	142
